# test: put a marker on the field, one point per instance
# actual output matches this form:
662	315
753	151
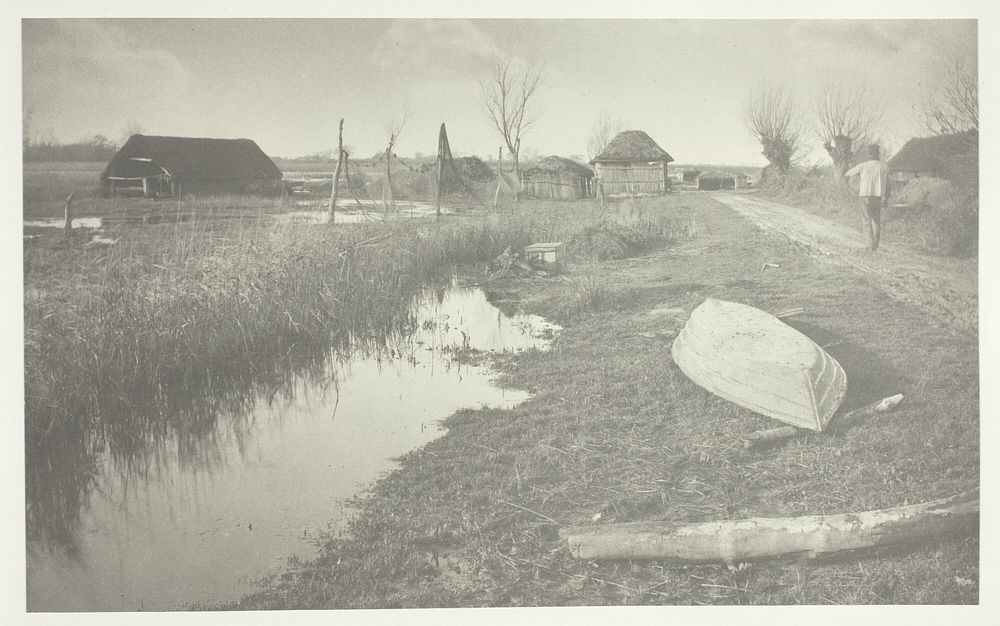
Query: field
613	432
46	185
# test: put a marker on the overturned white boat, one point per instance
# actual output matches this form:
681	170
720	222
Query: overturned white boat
753	359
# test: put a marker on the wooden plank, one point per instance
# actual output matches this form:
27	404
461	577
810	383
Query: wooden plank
809	537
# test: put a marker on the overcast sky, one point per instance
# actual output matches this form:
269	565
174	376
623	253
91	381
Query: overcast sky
285	82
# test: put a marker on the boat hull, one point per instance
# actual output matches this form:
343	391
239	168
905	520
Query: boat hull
754	360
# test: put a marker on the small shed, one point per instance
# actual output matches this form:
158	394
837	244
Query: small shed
632	164
173	166
936	157
558	178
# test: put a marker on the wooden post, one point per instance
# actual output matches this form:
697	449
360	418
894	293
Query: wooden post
444	158
67	229
809	537
442	149
387	180
336	174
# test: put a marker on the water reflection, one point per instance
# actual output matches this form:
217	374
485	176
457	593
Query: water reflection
166	511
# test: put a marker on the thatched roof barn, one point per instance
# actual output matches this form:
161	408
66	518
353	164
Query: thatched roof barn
558	178
939	157
173	166
631	164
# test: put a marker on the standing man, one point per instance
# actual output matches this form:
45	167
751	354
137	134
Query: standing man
874	193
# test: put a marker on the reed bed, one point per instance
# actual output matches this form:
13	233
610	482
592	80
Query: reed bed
176	322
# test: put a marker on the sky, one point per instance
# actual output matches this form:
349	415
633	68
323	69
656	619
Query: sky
286	82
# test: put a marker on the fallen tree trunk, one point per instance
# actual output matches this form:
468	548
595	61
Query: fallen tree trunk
765	437
810	537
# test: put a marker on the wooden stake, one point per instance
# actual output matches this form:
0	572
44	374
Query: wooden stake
809	537
68	228
442	149
387	180
336	174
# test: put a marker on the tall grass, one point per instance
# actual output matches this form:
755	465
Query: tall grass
175	322
179	304
942	217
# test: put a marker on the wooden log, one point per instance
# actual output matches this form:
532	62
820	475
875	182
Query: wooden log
809	537
765	437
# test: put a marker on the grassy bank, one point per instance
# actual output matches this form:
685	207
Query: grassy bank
164	327
615	432
932	214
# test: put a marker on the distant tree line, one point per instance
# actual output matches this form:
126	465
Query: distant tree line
96	148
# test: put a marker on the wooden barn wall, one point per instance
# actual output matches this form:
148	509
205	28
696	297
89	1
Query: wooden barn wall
633	178
262	186
557	186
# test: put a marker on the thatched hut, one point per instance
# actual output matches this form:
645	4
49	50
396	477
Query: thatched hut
174	166
945	156
558	178
632	164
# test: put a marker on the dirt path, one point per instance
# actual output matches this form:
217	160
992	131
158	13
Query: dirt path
946	287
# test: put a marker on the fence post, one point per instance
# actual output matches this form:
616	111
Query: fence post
336	174
67	229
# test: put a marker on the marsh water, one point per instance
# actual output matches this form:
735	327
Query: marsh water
204	511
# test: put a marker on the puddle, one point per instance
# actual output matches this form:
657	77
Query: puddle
210	514
59	222
349	212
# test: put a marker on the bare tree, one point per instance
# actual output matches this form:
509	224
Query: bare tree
953	107
771	117
605	129
845	120
507	92
393	129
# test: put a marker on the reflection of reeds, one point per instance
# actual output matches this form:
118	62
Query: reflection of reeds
149	342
